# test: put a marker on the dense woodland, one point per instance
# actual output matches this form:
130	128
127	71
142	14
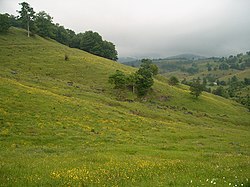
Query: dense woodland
41	23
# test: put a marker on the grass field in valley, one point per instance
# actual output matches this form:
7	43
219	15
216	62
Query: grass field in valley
61	124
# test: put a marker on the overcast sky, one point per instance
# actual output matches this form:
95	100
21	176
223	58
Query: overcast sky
155	28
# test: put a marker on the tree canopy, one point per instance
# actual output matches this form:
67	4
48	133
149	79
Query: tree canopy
196	88
26	17
141	81
4	22
42	24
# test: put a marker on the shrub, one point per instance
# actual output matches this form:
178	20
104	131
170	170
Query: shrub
173	80
66	57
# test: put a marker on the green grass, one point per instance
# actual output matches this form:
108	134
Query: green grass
53	133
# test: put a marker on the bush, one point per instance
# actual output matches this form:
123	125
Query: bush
66	57
119	80
173	81
196	88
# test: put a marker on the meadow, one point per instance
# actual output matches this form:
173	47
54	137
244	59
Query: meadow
62	124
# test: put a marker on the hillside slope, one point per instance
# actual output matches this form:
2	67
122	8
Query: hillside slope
61	124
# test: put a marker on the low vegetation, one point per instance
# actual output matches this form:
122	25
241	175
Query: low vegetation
63	125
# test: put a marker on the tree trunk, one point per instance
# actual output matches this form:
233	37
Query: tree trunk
28	27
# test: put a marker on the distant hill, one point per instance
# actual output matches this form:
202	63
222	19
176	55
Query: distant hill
187	57
126	59
63	124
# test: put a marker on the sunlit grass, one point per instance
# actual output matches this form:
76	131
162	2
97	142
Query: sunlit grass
53	133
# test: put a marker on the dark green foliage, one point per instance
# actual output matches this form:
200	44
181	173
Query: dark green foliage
4	23
61	35
93	43
26	17
14	21
224	66
247	81
66	57
144	81
109	50
192	70
147	64
196	88
209	67
44	24
141	81
173	80
220	91
184	81
119	79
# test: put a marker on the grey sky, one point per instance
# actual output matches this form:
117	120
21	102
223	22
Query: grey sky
156	28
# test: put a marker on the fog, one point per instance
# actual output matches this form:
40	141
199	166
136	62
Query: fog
155	28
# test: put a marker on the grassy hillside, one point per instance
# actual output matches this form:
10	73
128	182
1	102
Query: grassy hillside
62	125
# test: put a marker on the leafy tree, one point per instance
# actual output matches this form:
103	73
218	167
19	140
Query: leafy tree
44	24
109	50
173	80
148	64
196	88
119	80
27	16
61	34
224	66
14	21
131	82
4	22
91	42
192	70
143	82
220	91
184	81
204	81
144	77
247	81
209	67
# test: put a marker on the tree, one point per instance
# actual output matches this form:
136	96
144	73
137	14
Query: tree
143	81
148	64
173	80
4	22
61	35
220	91
27	16
91	42
44	24
223	66
209	67
144	77
14	21
196	88
119	80
109	50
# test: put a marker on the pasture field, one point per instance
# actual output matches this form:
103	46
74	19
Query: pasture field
62	124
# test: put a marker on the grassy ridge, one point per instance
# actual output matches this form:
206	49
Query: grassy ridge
62	125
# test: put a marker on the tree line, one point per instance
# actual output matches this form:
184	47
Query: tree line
41	23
